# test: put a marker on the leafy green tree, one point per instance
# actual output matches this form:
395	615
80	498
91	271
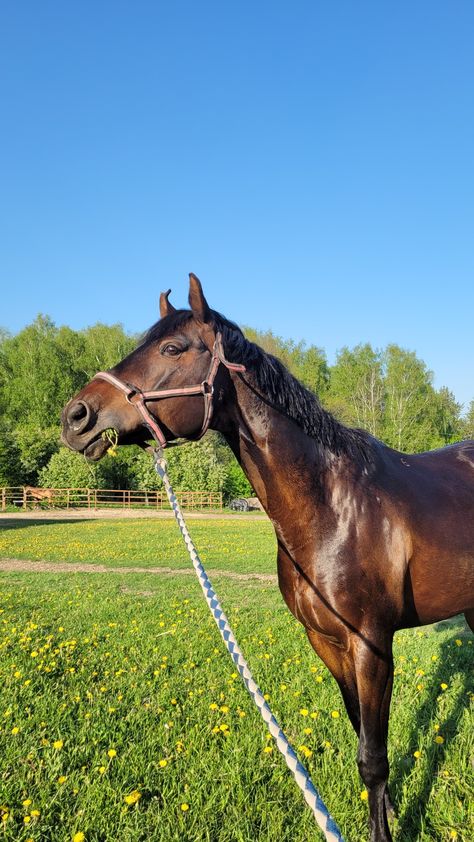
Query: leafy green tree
66	469
33	382
468	423
11	471
447	416
308	364
195	466
36	445
103	347
236	483
357	388
409	398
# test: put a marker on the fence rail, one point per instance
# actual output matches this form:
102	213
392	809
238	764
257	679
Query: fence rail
28	497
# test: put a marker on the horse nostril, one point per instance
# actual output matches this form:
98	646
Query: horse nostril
78	416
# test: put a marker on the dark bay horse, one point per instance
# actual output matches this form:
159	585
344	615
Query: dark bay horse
369	540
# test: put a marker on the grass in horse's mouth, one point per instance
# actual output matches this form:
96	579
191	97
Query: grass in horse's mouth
111	435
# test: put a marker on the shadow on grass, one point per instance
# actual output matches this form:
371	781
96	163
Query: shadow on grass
22	522
453	661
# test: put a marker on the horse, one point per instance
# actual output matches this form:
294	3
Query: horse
39	494
370	540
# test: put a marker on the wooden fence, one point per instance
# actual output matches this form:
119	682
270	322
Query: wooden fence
27	497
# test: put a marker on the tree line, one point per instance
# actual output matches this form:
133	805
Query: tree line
388	392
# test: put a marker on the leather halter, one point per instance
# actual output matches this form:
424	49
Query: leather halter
138	399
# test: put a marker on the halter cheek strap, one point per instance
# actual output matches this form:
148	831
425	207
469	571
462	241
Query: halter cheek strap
139	399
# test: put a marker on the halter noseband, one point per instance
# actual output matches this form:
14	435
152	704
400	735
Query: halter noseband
138	399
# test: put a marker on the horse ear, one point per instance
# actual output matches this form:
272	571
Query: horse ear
197	302
166	308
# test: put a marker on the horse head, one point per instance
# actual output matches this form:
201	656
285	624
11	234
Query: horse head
171	378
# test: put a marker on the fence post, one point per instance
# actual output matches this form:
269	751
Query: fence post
24	497
4	499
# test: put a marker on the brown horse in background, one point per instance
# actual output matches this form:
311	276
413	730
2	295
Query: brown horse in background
39	493
369	540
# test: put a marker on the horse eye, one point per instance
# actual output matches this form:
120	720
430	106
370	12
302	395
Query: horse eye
171	350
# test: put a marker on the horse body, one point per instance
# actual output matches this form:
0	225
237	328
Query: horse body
370	540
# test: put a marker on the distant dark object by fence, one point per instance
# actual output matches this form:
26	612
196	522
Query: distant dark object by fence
246	504
28	497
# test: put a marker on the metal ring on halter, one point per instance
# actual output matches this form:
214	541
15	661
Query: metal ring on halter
133	393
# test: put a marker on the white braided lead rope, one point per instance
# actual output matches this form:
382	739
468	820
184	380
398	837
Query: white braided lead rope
311	795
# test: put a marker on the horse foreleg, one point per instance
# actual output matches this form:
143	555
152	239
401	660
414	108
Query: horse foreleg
374	673
341	664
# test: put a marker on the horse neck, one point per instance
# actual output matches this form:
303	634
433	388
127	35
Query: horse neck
281	462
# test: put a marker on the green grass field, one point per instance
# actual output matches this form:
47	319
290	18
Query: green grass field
241	545
122	716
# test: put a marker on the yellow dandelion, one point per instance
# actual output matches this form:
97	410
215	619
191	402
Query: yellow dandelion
335	714
62	779
364	795
35	813
417	754
443	686
268	749
15	730
458	642
112	752
213	706
133	797
78	837
185	807
58	744
439	739
162	763
304	711
26	819
26	802
305	750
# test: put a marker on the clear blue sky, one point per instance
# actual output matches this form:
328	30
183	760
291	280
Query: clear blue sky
311	161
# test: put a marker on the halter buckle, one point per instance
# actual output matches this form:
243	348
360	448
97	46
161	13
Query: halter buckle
133	393
207	388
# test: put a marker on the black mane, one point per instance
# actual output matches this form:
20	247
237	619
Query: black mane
278	387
